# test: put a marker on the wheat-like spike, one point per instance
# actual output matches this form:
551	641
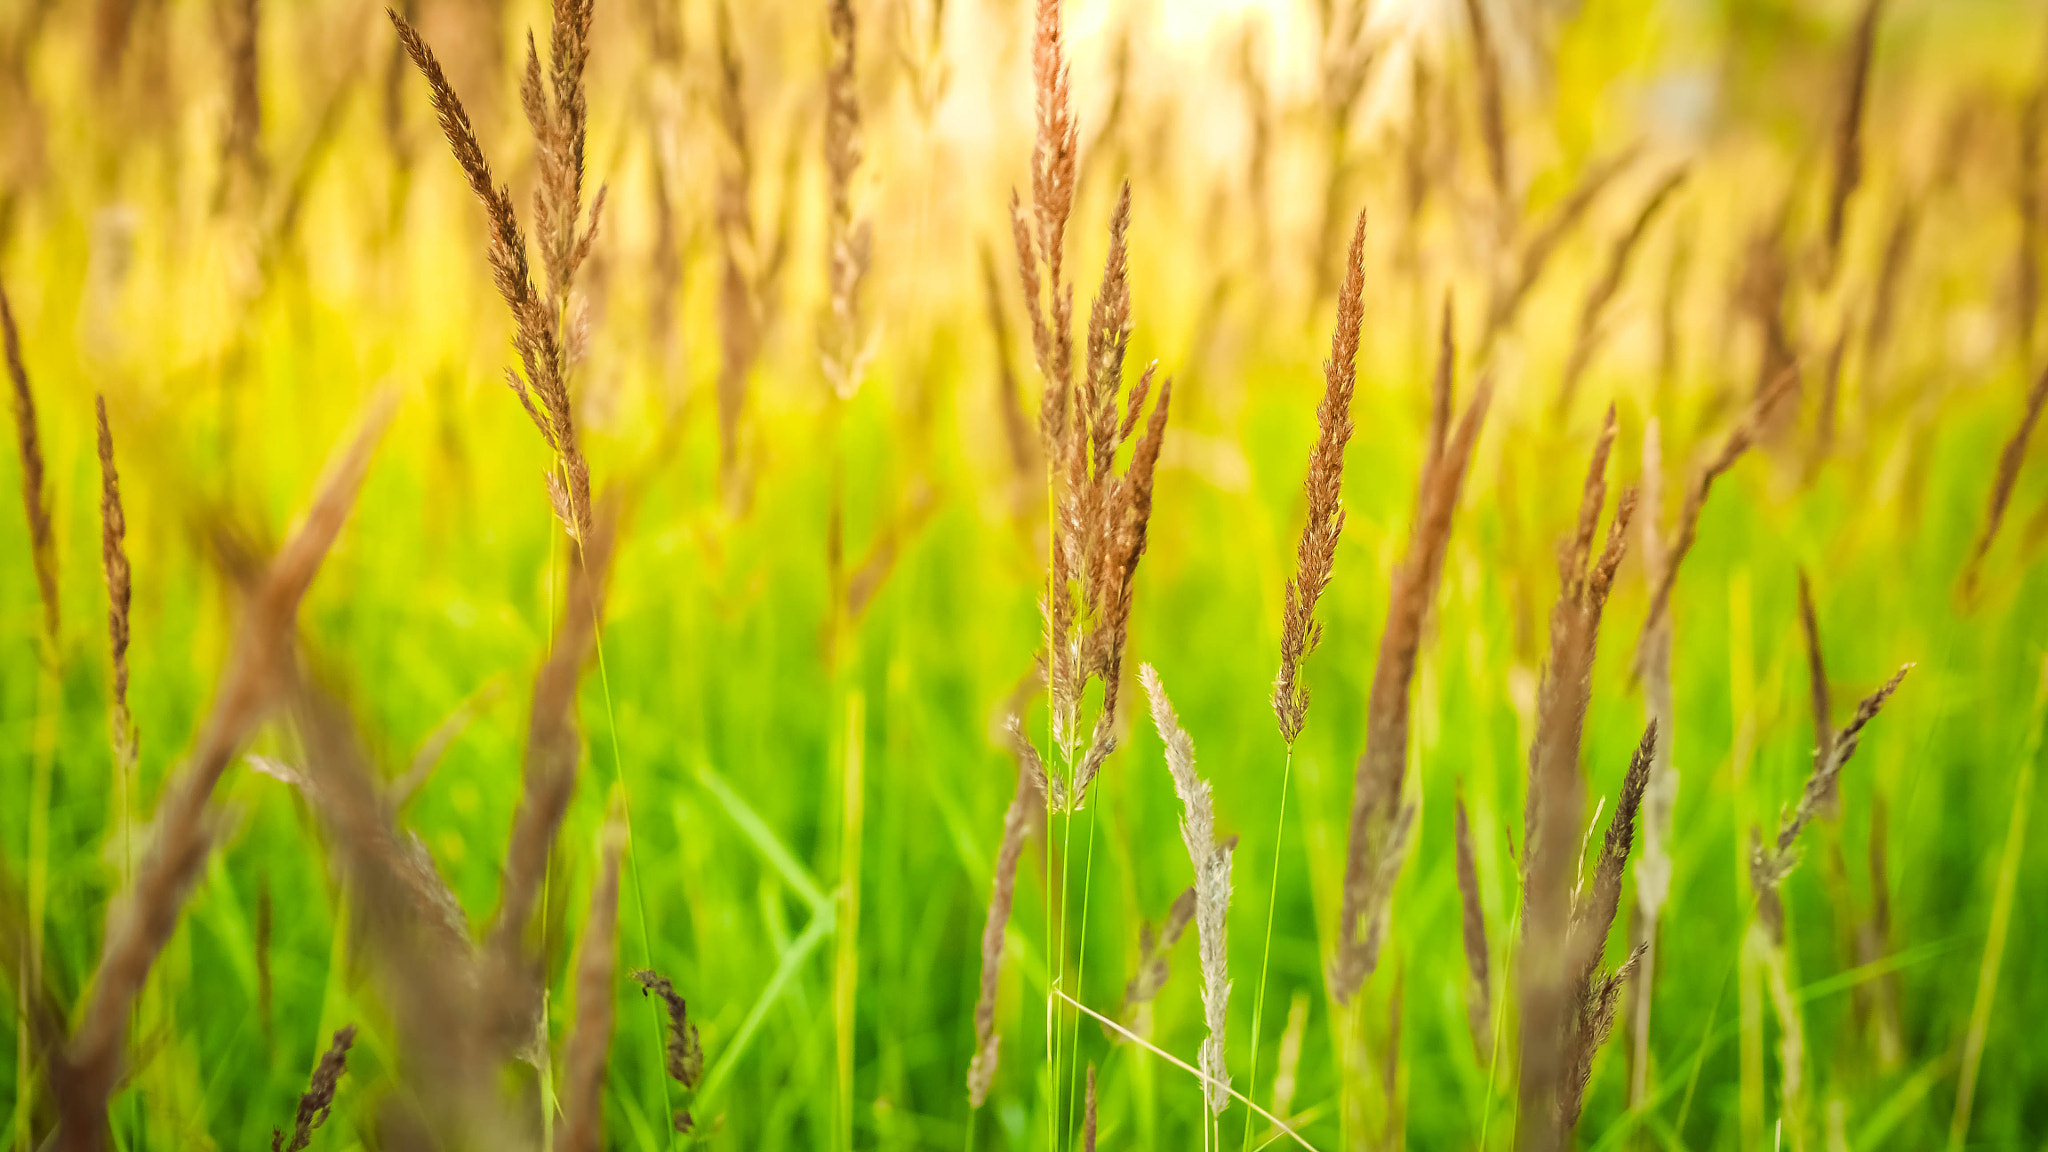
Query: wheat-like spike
1556	797
1316	555
1891	280
597	959
1594	916
239	27
1492	110
1025	806
1660	795
1056	151
1593	312
739	319
1593	1023
259	668
1153	953
1762	296
1771	861
544	390
2010	461
683	1052
1597	996
1211	860
1849	131
35	489
114	563
1380	819
1016	428
1122	523
1686	530
849	242
1827	770
1479	991
318	1099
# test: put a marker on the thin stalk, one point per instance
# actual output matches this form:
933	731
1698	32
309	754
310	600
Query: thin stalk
1500	1021
1183	1065
50	699
1053	959
1081	966
2001	922
846	979
1266	952
654	1005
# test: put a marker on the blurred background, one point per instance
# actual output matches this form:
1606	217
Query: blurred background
236	219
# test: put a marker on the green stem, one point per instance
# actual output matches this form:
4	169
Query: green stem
1266	952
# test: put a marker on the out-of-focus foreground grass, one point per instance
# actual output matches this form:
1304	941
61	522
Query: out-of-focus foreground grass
237	303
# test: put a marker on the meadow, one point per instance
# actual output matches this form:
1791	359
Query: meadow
1001	574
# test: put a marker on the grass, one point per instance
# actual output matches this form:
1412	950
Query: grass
818	790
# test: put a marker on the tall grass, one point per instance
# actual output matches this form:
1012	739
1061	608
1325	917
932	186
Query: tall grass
890	800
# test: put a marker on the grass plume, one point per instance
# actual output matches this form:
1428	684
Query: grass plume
1316	555
683	1054
1552	1005
1848	143
1025	808
1380	819
260	665
1479	989
2010	461
114	563
539	323
35	485
318	1100
1211	859
1154	950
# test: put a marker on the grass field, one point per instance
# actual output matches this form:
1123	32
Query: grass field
702	663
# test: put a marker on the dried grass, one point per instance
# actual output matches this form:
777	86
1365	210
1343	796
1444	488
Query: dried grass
243	170
1316	555
1492	113
2010	461
1556	1007
1380	820
553	745
1100	515
259	670
1593	313
1099	531
849	243
1772	861
683	1054
541	324
1025	808
1479	991
1848	142
35	487
1211	859
114	563
750	263
1154	950
318	1099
